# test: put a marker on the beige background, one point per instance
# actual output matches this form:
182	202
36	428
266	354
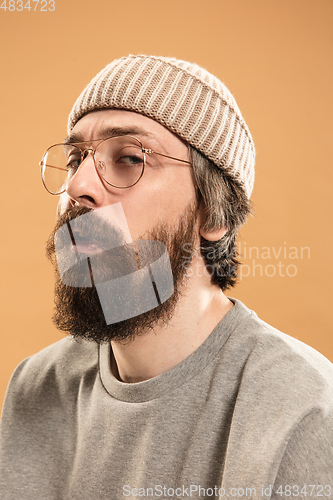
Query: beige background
274	55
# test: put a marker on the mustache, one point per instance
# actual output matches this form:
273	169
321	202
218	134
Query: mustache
80	228
70	214
84	228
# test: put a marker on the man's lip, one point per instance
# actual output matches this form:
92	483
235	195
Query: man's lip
86	247
81	243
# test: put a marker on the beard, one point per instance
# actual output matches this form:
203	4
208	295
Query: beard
78	310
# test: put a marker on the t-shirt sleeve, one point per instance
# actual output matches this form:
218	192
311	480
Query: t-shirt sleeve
306	470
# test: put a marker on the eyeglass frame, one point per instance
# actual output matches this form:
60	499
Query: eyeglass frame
93	151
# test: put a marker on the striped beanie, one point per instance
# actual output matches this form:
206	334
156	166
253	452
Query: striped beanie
183	97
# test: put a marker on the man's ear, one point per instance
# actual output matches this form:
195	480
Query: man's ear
212	234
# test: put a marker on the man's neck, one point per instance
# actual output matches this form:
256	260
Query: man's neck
198	312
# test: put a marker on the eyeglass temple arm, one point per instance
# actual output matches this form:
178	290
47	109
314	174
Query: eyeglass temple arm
42	164
165	156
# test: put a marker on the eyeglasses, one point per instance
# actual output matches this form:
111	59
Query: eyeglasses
120	161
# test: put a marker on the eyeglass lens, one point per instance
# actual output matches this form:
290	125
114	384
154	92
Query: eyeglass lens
119	160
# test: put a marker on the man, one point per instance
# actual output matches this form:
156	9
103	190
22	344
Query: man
166	388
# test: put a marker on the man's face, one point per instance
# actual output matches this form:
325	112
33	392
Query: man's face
161	206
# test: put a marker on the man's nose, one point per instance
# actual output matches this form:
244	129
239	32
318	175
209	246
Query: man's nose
86	187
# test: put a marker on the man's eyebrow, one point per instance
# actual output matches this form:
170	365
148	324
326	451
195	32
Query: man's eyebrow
77	137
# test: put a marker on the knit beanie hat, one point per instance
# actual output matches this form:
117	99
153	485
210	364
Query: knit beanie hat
185	98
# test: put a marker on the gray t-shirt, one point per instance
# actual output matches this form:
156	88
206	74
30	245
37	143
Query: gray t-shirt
248	415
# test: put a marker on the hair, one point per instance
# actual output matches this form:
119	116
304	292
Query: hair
226	205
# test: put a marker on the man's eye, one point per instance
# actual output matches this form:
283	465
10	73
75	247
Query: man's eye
130	160
73	164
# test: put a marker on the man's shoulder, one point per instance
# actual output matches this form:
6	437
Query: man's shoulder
280	363
55	368
287	350
282	409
